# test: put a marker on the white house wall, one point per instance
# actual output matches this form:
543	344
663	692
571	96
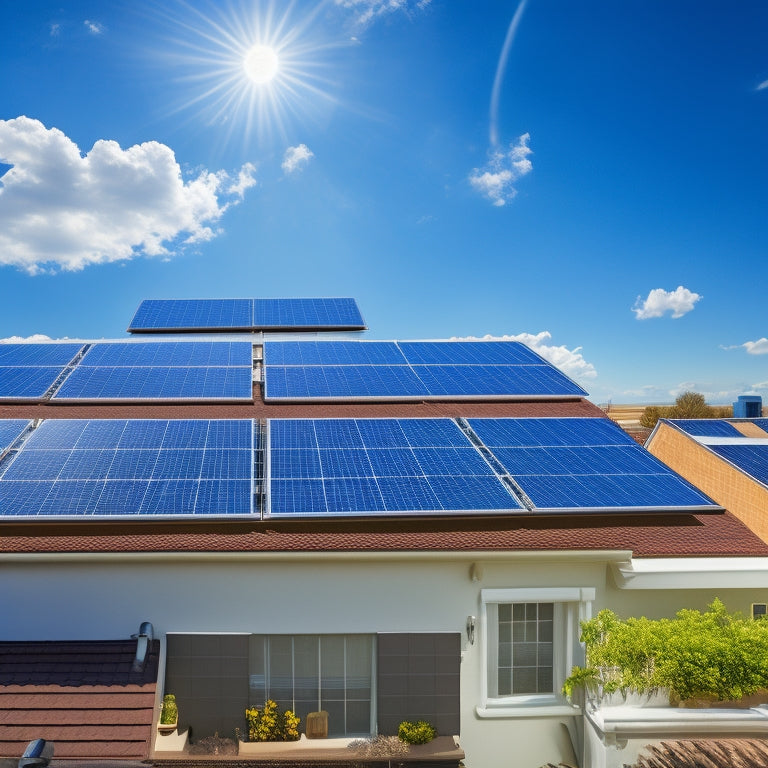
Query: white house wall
71	597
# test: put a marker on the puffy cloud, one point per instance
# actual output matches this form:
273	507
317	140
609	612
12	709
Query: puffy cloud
367	11
762	86
296	158
33	339
569	361
62	210
759	347
94	27
678	302
502	170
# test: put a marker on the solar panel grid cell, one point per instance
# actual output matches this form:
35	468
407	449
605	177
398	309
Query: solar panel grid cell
27	382
35	355
427	464
142	467
586	463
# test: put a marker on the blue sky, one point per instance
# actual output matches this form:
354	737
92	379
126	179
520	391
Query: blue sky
588	177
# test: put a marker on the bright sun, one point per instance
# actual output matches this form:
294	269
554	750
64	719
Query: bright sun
261	64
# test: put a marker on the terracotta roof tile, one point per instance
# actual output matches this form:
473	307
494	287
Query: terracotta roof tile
76	695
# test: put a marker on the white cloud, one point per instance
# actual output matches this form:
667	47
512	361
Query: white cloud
296	158
762	86
94	27
569	361
502	170
55	30
759	347
62	210
367	11
33	339
678	302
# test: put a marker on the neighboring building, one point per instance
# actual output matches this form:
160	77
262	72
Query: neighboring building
381	530
726	458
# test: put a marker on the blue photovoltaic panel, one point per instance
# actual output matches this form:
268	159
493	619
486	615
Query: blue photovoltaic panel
24	383
193	314
28	371
37	354
131	467
376	467
339	382
10	429
707	427
157	383
584	464
161	315
750	458
332	353
170	353
313	313
360	370
217	370
468	353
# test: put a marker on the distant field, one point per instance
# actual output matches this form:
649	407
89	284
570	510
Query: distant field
629	414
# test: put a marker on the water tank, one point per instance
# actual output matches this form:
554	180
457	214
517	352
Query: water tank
748	407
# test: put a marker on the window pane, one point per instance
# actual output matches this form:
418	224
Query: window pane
524	681
305	669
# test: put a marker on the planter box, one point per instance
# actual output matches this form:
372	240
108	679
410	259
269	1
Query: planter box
168	727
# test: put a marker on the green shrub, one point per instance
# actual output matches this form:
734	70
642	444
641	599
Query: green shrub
419	732
269	723
710	654
170	712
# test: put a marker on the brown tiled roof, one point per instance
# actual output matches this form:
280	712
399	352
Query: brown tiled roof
82	696
261	410
706	753
645	535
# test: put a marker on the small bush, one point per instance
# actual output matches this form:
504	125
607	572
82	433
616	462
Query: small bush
170	712
269	723
420	732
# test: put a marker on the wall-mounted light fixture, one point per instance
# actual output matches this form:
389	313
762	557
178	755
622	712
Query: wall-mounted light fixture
475	572
471	629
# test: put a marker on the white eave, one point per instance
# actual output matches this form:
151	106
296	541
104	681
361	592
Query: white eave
692	573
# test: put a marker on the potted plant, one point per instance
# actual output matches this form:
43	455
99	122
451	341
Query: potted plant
709	656
169	714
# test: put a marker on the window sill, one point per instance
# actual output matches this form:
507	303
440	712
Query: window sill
528	710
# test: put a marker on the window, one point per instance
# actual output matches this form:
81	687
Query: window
531	641
309	673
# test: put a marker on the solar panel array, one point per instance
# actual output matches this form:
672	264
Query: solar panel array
335	467
762	423
180	370
583	464
116	467
379	370
164	315
377	467
28	371
707	427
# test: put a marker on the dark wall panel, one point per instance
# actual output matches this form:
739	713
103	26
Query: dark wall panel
209	676
418	679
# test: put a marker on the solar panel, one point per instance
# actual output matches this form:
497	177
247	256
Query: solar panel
131	467
162	371
331	467
750	458
28	371
707	427
160	315
164	315
361	370
586	464
762	423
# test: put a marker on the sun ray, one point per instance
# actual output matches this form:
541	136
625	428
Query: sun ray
255	68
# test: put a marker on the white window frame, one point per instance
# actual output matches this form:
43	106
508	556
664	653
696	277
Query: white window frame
572	605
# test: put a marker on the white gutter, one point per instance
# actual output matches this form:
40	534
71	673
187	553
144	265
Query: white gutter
692	573
613	556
